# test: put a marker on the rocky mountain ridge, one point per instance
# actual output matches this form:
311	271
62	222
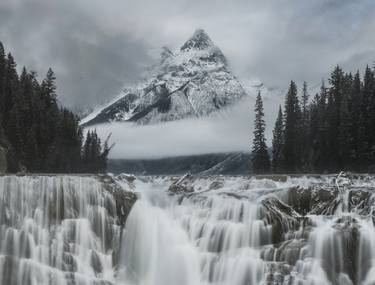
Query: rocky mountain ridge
194	81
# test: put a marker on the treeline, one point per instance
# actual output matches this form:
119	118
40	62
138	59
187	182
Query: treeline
333	131
36	133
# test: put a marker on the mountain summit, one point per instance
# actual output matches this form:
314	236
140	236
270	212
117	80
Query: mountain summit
200	40
194	81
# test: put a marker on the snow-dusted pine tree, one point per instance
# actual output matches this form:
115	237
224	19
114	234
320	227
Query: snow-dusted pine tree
260	157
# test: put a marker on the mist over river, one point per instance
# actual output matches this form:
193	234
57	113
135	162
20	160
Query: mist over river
187	230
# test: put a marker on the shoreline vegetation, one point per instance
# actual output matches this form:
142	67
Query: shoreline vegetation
37	134
333	132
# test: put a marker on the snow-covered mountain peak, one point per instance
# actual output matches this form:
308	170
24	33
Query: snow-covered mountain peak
199	41
199	51
193	81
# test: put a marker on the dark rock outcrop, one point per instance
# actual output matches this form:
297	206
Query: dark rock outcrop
124	199
360	201
313	200
182	185
282	217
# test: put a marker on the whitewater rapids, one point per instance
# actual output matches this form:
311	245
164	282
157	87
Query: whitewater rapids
188	231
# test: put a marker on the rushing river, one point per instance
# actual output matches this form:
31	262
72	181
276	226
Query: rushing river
188	231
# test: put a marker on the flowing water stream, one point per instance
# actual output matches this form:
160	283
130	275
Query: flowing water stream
188	231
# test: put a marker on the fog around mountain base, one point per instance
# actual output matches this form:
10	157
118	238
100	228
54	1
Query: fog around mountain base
226	131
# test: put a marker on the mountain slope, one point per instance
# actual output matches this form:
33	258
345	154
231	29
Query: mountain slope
194	81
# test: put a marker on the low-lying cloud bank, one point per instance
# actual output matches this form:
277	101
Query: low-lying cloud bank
227	131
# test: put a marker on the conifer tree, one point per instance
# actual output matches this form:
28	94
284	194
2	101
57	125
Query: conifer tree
305	99
10	87
305	129
49	87
320	140
15	131
292	145
337	126
260	157
2	78
277	143
39	135
335	95
370	78
345	139
356	129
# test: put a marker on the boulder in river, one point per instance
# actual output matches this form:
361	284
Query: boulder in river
317	200
124	199
182	185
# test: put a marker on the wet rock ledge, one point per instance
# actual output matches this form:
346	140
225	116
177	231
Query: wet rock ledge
124	199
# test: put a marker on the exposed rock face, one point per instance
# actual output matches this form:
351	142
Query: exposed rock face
314	200
194	81
124	199
361	200
182	185
282	217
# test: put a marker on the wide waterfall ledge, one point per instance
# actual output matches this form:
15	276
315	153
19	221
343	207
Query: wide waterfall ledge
61	229
271	230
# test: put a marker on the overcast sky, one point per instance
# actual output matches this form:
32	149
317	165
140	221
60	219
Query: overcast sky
95	46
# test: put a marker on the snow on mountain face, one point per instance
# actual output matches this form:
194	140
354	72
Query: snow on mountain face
194	81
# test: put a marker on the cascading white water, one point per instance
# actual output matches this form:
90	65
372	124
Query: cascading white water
229	231
251	232
341	247
197	241
210	238
56	230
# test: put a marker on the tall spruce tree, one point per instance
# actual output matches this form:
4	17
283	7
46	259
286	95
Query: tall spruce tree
335	95
260	157
277	143
356	129
2	78
320	124
10	87
292	143
49	87
370	78
305	100
305	129
345	138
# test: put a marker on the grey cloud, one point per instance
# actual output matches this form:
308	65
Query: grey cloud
92	63
97	46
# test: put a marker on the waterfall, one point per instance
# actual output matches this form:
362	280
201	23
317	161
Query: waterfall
187	230
56	230
303	231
